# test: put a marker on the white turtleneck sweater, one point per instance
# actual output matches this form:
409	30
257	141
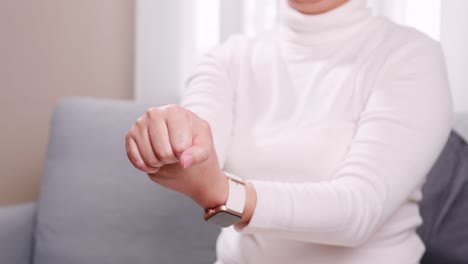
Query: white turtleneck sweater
336	119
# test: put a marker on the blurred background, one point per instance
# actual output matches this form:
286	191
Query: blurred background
142	50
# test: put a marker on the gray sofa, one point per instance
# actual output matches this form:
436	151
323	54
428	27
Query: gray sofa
95	208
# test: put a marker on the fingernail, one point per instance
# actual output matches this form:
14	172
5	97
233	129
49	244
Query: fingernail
187	161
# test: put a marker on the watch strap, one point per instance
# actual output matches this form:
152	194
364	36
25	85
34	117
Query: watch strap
236	194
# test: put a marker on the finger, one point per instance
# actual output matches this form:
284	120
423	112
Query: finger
135	158
179	128
141	137
159	141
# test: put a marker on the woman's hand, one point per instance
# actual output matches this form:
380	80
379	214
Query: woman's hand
175	148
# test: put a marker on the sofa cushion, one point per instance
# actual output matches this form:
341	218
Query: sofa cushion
94	207
444	208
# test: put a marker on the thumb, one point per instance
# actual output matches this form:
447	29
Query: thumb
194	155
202	143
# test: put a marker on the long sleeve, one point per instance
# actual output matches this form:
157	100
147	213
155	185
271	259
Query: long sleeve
209	93
399	135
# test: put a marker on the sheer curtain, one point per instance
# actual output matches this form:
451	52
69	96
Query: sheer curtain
172	35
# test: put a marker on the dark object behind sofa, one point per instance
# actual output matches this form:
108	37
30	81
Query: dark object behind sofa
445	206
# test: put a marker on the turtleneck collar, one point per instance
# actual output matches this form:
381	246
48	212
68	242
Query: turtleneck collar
305	29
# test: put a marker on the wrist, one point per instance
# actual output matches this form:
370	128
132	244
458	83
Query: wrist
237	209
214	193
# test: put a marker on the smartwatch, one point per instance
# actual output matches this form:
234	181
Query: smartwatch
231	212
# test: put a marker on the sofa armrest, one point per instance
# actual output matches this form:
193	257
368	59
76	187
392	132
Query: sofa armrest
16	233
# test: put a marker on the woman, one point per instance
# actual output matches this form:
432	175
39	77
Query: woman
334	120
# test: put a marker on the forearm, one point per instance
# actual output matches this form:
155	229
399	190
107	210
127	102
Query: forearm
327	212
342	212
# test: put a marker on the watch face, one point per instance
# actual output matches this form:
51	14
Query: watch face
223	219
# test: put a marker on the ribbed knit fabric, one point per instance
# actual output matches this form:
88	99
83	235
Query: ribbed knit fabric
336	119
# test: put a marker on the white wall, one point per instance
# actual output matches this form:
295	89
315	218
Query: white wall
454	38
172	35
159	48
